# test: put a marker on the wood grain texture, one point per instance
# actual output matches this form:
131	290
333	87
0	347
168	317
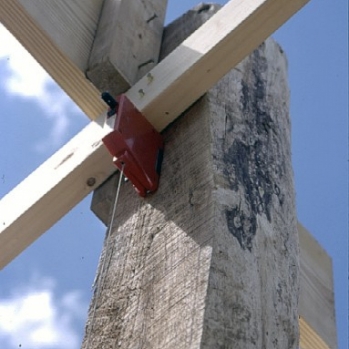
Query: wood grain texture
316	296
210	260
207	55
127	43
309	339
171	87
310	307
66	68
61	36
189	22
316	304
254	278
70	24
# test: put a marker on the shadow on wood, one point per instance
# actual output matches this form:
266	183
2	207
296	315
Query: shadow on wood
210	260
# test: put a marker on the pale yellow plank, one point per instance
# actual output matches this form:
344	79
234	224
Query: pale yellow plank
309	339
316	301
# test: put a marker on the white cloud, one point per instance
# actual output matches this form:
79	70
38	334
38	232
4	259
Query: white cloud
28	80
35	318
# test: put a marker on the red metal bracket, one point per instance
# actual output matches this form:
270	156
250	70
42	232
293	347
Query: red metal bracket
136	146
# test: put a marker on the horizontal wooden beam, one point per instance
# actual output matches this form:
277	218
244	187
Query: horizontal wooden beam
61	34
170	88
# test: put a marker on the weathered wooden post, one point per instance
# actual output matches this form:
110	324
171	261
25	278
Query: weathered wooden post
210	260
231	180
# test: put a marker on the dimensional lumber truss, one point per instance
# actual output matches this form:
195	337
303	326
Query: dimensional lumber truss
161	95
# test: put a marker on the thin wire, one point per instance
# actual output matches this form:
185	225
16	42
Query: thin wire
100	280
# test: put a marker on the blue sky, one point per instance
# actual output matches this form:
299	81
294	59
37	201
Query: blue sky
57	271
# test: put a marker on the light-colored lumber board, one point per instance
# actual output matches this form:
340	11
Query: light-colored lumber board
52	190
207	55
172	37
42	46
127	43
162	95
70	24
60	35
309	339
316	302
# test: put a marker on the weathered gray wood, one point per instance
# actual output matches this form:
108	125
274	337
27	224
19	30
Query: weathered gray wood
162	95
189	22
127	43
103	198
316	303
210	260
172	38
206	56
316	309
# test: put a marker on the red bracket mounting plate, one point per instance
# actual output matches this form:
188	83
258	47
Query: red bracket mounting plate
136	146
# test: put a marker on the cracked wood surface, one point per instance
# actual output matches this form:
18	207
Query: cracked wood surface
162	95
127	43
211	260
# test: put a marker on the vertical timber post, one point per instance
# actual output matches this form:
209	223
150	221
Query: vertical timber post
211	259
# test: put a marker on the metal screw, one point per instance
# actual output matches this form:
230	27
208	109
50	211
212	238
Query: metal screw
91	181
150	78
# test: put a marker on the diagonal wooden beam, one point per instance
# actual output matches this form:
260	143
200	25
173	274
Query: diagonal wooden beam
46	29
207	55
170	88
52	190
61	34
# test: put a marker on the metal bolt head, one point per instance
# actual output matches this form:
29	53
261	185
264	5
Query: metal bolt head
91	181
